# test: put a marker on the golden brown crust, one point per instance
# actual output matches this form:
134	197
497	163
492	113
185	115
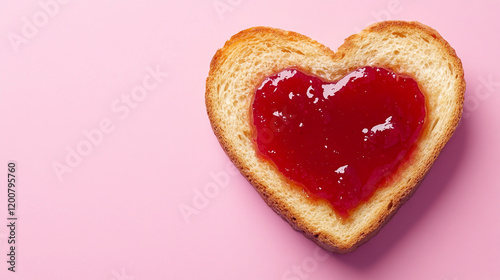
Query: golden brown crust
222	86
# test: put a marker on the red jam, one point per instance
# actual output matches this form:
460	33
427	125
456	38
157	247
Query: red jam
341	140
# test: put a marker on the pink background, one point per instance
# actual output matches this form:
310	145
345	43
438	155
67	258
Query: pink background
69	69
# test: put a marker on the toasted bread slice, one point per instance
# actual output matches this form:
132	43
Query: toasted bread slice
408	48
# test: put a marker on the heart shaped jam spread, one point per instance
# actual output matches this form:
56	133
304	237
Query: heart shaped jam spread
339	140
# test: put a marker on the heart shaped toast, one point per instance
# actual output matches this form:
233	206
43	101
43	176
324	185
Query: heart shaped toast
335	142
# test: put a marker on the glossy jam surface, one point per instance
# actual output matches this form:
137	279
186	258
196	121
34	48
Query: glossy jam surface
338	140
